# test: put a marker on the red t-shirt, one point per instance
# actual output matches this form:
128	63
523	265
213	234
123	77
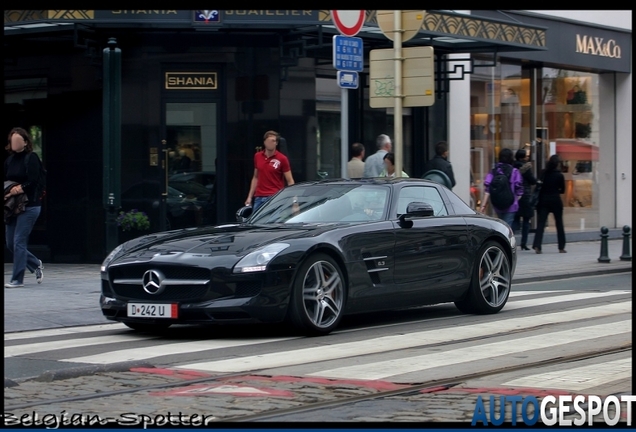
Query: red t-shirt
271	172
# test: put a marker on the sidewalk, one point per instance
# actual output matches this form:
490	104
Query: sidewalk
69	293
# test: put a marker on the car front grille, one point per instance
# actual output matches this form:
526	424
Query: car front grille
125	282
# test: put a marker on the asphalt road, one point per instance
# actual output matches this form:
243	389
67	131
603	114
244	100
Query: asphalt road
585	321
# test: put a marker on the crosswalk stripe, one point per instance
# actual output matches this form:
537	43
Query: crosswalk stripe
16	350
404	341
185	347
541	301
63	331
515	294
169	349
579	378
389	368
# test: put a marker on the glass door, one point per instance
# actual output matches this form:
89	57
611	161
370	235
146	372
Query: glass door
190	154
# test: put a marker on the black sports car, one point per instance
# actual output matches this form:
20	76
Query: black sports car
313	253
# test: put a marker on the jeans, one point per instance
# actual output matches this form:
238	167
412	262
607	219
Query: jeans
525	228
507	217
259	201
17	232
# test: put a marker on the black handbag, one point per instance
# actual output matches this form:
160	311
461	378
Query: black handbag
534	199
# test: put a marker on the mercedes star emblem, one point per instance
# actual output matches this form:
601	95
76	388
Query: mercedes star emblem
152	282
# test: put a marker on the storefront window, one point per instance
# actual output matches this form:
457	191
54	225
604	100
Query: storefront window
567	123
568	114
500	117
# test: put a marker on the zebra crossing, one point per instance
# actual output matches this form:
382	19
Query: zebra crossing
577	321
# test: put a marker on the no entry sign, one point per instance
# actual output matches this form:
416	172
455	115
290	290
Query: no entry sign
348	22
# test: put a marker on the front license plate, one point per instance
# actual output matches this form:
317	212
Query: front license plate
153	310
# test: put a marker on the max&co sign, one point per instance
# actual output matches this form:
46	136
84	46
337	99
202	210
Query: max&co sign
596	46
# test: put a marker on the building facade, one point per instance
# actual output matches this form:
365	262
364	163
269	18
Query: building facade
199	89
574	100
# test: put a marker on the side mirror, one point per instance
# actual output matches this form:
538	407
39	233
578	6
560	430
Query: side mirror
416	210
243	214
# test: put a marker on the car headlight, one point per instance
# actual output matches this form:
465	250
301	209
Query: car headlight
257	261
111	256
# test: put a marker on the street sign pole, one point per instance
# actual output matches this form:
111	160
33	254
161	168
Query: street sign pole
344	132
348	55
397	113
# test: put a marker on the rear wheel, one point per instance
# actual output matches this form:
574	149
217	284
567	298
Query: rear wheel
148	327
318	295
490	283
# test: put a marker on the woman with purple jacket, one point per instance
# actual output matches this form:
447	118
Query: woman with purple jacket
516	185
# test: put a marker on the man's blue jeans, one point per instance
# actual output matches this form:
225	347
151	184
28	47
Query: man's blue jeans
17	232
507	217
259	201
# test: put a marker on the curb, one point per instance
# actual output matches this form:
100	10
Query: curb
525	279
75	372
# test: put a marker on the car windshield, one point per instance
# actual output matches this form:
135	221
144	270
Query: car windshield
325	203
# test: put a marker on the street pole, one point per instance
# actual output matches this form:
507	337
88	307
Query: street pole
111	140
344	132
397	114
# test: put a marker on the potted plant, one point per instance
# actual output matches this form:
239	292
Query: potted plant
133	220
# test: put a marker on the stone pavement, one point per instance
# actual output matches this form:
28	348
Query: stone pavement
69	293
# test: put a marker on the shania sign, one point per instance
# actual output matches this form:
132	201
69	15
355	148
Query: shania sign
191	81
597	46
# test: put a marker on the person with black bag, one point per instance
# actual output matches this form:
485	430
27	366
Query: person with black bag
550	202
526	210
503	187
23	167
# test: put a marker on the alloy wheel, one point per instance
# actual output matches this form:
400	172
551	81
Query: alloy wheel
323	294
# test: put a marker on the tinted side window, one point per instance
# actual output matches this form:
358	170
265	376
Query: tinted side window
427	194
459	206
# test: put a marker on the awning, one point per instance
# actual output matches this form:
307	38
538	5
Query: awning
575	150
446	31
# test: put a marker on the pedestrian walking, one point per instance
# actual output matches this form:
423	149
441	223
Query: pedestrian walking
271	171
550	202
374	164
355	166
389	166
22	169
526	211
503	186
440	162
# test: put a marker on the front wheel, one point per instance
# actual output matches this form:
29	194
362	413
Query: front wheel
490	283
318	295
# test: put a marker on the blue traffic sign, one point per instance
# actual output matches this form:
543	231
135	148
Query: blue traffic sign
348	53
348	79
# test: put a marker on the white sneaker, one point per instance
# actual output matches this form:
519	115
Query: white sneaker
13	284
39	274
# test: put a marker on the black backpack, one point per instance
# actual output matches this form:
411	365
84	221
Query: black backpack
501	196
41	188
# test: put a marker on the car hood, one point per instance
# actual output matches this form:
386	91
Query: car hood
227	240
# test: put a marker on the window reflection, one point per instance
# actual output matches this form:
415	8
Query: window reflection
566	122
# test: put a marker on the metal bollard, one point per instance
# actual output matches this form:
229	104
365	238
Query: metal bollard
626	256
604	235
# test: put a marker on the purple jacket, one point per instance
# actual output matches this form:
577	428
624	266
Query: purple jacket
516	184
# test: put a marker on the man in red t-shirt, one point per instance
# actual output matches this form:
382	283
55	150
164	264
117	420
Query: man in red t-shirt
271	171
